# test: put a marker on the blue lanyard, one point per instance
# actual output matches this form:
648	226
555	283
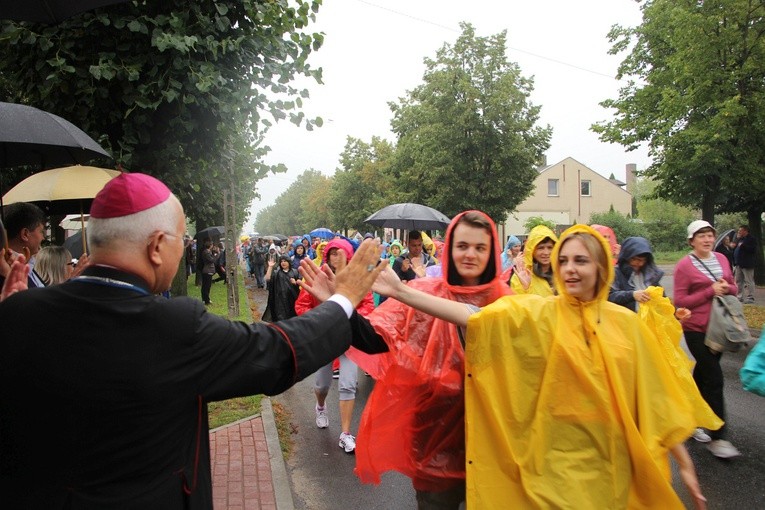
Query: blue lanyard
111	282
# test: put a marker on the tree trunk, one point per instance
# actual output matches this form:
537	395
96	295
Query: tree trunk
708	207
755	228
179	287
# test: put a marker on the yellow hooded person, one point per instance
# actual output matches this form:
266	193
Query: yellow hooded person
536	275
571	401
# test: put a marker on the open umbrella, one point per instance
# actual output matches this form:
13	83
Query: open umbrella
409	216
48	11
275	237
29	136
214	233
322	233
74	221
76	244
728	233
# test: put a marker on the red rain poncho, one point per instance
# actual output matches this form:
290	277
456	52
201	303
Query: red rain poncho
413	422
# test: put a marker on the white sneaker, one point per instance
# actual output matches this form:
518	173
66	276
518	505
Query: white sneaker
347	442
322	420
723	449
701	436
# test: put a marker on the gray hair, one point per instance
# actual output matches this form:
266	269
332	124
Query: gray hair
134	228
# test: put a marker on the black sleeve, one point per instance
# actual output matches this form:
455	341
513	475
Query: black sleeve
403	275
364	336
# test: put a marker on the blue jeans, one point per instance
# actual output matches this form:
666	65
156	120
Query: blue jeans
260	275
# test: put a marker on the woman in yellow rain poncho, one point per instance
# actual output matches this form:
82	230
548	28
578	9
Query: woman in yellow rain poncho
535	276
320	253
570	400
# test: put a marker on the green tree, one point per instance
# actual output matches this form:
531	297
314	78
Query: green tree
467	137
363	184
695	95
293	212
181	90
538	220
622	226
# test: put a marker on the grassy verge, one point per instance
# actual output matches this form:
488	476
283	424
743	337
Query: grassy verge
755	316
285	428
669	257
228	411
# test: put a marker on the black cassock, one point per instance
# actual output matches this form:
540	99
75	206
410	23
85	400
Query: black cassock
103	389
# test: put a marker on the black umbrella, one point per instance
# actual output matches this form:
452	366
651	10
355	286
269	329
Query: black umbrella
29	136
214	233
74	243
728	233
409	216
48	11
275	237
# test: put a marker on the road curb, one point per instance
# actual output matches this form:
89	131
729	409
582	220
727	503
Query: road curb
282	490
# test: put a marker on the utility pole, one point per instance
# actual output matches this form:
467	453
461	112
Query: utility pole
232	262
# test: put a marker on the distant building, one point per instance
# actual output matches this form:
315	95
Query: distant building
569	192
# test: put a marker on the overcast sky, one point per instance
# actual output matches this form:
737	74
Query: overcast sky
373	53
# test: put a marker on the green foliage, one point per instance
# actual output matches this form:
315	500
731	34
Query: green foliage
467	137
622	226
695	95
180	90
538	220
297	211
665	223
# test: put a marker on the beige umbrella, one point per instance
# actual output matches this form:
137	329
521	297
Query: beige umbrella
62	190
74	221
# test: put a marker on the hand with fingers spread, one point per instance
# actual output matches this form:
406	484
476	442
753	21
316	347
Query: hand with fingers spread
318	282
524	275
16	280
358	276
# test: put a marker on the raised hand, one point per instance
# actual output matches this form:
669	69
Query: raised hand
356	279
388	283
317	282
16	280
522	271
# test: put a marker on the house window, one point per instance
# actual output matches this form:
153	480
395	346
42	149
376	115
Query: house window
552	187
586	188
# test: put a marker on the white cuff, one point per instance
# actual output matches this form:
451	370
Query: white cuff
344	302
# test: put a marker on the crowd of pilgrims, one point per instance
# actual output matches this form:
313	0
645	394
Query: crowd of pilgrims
593	346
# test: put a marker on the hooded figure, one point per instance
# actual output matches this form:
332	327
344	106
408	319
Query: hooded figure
507	258
281	282
610	237
635	271
319	259
571	402
395	245
541	281
414	419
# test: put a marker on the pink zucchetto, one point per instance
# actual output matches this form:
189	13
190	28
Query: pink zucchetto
128	194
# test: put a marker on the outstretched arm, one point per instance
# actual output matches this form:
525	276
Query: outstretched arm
388	284
688	474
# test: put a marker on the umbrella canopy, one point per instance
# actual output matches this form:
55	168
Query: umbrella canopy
69	189
275	237
75	244
48	11
409	216
74	221
322	233
29	136
728	233
214	233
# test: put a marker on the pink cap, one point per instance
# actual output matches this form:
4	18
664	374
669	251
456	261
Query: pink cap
128	194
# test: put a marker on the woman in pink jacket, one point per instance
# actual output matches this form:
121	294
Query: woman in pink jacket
699	277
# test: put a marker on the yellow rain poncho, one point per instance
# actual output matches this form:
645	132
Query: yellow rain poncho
320	253
539	285
571	404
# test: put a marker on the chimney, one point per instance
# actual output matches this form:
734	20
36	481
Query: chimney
630	176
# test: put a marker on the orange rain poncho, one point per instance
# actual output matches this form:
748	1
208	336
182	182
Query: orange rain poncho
571	404
414	419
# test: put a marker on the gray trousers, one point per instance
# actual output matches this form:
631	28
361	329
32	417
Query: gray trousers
346	385
745	284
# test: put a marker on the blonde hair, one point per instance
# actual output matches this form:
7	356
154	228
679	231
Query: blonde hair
596	251
50	264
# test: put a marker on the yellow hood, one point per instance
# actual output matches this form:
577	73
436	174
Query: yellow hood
536	236
602	294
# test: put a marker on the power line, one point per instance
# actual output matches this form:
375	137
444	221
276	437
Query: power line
519	50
